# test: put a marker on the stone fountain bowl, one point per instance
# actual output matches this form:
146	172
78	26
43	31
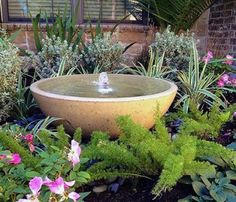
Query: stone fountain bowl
78	100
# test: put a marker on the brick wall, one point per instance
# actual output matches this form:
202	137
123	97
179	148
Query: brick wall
222	28
126	34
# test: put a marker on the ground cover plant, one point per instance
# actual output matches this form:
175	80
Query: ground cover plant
52	168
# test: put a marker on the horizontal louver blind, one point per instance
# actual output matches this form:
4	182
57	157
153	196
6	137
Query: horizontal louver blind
110	9
23	8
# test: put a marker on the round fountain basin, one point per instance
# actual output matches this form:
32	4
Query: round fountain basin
79	101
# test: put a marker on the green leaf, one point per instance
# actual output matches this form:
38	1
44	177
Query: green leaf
200	188
84	175
83	195
31	174
81	180
44	154
72	175
231	174
218	196
84	160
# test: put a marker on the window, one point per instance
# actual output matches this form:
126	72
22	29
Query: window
108	10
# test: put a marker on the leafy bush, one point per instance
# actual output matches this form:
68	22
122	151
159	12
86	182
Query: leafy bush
102	53
204	125
140	152
177	48
9	72
53	158
55	52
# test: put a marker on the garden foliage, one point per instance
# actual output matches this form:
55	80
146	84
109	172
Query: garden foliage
9	72
51	158
102	53
55	52
141	152
177	48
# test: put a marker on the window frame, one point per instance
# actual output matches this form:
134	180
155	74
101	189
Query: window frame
6	19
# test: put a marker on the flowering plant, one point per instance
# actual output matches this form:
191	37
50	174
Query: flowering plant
48	170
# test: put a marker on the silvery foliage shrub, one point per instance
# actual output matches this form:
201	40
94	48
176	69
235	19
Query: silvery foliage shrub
54	50
177	48
102	54
9	72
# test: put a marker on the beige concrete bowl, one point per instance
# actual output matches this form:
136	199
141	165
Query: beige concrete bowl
82	103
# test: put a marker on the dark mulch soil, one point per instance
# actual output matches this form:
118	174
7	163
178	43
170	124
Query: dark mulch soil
140	193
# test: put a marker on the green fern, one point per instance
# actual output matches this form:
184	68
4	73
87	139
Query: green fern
139	152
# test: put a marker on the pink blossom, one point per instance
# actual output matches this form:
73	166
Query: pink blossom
74	196
208	57
2	157
15	159
229	60
29	138
74	153
35	185
59	186
220	83
225	78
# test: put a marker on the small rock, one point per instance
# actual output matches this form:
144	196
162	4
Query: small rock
99	189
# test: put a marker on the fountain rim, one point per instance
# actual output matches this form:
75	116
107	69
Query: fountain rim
35	89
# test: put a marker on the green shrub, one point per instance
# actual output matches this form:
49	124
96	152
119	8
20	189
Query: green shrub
177	48
9	72
102	54
53	52
141	152
204	125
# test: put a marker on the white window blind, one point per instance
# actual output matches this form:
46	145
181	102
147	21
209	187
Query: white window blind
110	9
23	8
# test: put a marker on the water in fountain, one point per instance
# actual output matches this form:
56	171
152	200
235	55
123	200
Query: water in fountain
103	86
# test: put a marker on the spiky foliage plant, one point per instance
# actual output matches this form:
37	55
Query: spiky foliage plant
155	67
141	152
196	86
180	14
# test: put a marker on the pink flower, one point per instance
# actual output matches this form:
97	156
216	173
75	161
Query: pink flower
29	138
35	185
229	60
2	157
15	159
220	83
225	78
74	196
208	57
74	153
59	186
